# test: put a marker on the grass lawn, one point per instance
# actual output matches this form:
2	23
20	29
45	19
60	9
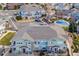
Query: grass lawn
5	40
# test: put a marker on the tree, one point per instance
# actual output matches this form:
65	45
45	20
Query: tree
18	17
72	27
0	7
43	15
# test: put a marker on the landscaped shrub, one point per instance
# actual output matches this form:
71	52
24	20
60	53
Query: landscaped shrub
0	7
65	28
43	15
18	18
72	27
68	20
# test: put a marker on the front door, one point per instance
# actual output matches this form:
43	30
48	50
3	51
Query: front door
24	50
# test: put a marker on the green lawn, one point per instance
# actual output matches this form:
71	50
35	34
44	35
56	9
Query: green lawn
6	39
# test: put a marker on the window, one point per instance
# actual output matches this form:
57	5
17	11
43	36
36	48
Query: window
29	43
14	43
38	42
19	43
14	49
35	42
51	42
29	49
45	42
55	50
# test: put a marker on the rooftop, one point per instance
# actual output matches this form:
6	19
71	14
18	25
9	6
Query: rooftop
36	32
41	33
30	8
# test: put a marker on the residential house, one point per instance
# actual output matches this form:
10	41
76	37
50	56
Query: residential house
76	5
56	46
62	6
75	15
30	11
21	46
40	45
13	6
40	40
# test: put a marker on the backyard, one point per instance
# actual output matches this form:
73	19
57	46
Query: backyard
5	40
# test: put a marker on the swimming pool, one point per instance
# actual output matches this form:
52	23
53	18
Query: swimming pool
62	23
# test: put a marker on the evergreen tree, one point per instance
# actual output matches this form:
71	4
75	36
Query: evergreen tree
72	27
